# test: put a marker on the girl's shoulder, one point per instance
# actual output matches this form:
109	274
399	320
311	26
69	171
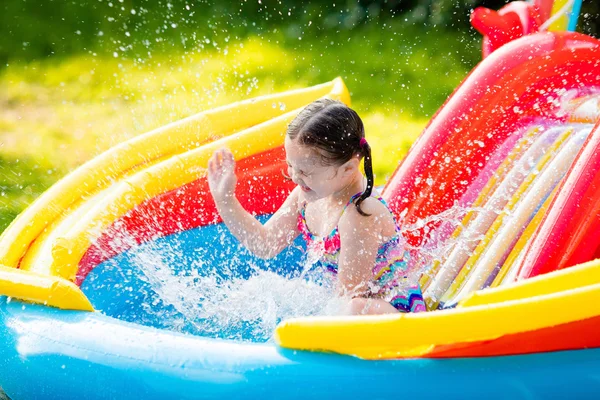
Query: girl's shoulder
292	203
379	216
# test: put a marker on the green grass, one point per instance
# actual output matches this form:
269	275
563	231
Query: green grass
57	114
23	180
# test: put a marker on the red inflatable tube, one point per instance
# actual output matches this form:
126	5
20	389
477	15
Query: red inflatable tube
574	335
261	189
516	84
568	234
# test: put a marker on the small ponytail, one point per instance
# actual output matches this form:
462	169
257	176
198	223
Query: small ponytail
366	152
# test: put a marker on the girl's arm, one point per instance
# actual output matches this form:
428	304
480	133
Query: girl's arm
264	241
360	239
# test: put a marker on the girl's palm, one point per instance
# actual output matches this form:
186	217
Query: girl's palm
221	175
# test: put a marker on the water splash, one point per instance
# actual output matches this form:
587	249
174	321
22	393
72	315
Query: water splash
235	308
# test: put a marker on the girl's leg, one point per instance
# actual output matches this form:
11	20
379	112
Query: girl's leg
366	306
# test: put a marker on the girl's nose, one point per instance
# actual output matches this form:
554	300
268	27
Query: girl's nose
295	179
294	176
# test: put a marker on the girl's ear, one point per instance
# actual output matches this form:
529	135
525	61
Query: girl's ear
349	167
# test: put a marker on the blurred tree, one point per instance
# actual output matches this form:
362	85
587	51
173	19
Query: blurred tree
31	29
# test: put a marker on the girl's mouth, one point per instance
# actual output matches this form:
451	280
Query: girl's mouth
304	188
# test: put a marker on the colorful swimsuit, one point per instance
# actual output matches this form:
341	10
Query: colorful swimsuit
391	280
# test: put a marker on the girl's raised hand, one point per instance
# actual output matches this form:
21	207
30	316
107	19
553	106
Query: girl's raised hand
221	175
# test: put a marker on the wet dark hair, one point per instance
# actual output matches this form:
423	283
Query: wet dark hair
337	132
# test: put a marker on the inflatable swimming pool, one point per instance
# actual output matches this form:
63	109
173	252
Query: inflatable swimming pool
512	158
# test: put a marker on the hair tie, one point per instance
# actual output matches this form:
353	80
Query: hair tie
363	142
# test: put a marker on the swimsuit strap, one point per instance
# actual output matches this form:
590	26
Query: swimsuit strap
302	225
381	199
351	201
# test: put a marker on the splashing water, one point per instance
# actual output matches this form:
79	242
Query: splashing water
226	296
236	308
212	298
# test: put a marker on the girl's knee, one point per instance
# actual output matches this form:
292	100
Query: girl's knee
359	305
363	306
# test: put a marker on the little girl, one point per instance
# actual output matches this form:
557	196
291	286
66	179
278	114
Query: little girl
350	233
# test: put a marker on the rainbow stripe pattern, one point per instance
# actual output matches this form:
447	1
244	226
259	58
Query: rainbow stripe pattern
392	279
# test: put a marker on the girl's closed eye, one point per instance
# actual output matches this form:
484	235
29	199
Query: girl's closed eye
300	172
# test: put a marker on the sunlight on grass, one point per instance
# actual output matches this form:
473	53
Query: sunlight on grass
85	105
56	115
390	138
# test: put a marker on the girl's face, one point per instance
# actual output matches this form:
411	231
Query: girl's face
307	170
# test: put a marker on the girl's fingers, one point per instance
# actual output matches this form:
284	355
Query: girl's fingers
212	163
228	160
230	157
221	155
222	158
